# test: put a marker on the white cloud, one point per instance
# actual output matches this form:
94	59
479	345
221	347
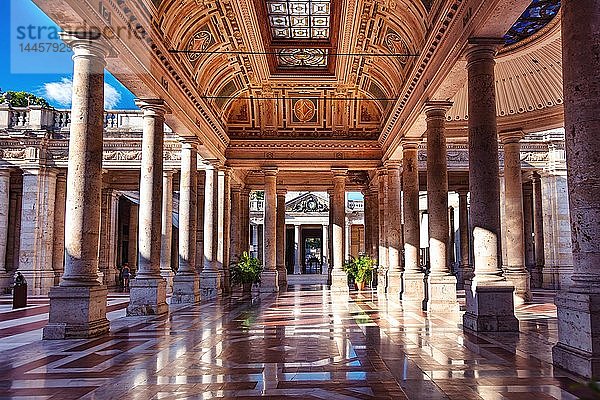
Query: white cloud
62	93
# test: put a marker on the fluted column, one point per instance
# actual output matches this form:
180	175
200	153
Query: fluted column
281	269
236	226
167	229
5	278
413	278
210	282
269	278
149	289
440	282
490	304
78	305
382	183
339	280
394	228
516	272
466	271
185	282
578	348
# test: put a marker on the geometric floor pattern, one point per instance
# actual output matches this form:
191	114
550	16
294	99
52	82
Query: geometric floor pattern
306	343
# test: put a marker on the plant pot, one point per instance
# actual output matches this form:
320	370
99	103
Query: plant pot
247	287
360	285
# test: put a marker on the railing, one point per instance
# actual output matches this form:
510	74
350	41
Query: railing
257	205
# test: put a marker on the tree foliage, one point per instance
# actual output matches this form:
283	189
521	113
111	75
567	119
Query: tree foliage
22	99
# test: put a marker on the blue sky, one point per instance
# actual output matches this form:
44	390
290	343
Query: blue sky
47	74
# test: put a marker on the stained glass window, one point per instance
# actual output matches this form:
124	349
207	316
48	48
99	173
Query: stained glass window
308	19
534	18
294	58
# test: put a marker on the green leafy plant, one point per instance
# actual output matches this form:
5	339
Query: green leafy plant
360	269
245	270
22	99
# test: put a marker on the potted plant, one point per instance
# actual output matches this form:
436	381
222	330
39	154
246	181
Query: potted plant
245	271
360	270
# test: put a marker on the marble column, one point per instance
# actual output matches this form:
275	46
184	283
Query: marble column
37	228
148	291
223	224
325	246
536	279
5	276
339	280
200	175
330	248
394	234
374	212
367	219
236	223
347	237
269	277
166	270
441	284
58	252
516	273
245	204
297	250
382	278
538	226
108	237
78	305
132	249
490	305
210	280
413	278
578	348
186	283
281	269
466	271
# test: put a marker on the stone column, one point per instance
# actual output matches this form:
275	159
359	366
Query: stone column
339	280
440	282
394	234
536	279
224	225
245	204
374	211
58	252
330	248
413	279
347	236
186	283
489	296
466	271
5	276
78	305
281	269
37	228
108	237
325	245
236	223
382	279
269	278
200	219
149	289
166	269
368	222
132	250
538	226
297	252
210	282
516	272
578	348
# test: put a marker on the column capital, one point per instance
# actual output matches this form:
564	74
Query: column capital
168	173
392	164
281	192
190	142
86	44
246	191
339	172
462	191
410	143
436	108
483	48
270	171
382	171
236	187
514	136
153	107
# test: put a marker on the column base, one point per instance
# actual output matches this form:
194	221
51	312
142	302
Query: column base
168	276
185	289
147	297
394	285
465	273
578	347
76	312
282	277
521	282
339	282
269	282
413	289
39	283
210	285
490	307
442	297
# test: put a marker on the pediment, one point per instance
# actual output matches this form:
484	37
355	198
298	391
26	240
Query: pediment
307	203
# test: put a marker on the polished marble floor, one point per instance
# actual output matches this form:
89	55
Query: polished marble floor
306	343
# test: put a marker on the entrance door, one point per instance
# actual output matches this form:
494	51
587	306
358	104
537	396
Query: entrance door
312	250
